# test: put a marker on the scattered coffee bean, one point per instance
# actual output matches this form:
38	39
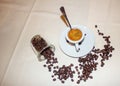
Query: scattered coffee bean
71	65
63	81
52	76
72	80
76	67
96	26
90	77
78	82
73	72
54	79
44	65
78	73
86	66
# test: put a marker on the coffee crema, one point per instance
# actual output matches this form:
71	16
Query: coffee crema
75	34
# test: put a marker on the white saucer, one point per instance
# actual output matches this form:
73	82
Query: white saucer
85	47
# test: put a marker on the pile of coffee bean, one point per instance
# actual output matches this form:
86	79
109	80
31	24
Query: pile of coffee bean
86	65
63	73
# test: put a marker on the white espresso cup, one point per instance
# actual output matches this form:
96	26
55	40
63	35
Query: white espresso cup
75	36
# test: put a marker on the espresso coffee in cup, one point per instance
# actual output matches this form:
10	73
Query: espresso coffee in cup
74	36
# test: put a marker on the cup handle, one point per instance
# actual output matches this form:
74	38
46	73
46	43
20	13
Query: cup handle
77	47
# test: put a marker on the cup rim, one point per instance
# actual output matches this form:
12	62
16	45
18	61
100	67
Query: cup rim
71	41
48	46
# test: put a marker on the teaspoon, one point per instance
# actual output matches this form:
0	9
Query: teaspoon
62	9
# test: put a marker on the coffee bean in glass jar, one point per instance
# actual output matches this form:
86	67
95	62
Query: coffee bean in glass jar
38	42
42	49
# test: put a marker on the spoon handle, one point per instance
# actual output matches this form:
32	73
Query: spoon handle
64	13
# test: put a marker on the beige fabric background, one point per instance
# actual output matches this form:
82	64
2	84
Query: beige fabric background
22	19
